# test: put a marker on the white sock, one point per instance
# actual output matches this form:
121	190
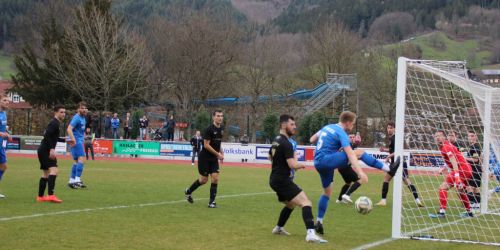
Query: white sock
320	220
386	168
417	200
311	232
442	211
77	179
71	180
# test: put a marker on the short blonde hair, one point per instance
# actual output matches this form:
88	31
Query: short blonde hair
347	116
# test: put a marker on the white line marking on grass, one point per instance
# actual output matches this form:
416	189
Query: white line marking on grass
21	217
374	244
408	235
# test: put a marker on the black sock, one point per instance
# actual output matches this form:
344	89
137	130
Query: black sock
284	215
385	189
307	216
353	188
213	192
413	190
52	184
471	197
477	197
41	186
343	190
194	186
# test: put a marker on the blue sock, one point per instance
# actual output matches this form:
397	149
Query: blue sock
73	171
322	206
371	161
79	169
1	174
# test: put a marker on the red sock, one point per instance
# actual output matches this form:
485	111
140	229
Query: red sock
465	199
443	198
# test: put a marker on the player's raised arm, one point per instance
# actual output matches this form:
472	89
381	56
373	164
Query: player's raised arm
314	138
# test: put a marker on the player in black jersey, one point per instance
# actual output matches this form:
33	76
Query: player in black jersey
47	156
474	159
208	160
283	161
391	129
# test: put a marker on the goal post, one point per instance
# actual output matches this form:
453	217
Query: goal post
438	95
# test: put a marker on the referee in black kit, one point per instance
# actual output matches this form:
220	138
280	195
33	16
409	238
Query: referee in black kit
208	160
47	156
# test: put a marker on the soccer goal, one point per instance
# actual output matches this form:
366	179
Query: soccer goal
438	95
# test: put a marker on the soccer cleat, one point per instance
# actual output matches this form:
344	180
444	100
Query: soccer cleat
338	201
313	238
2	196
189	198
53	198
41	198
382	203
80	185
280	231
73	186
192	164
466	215
438	215
346	198
394	167
419	203
212	205
318	227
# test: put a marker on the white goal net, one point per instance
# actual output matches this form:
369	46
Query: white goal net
433	96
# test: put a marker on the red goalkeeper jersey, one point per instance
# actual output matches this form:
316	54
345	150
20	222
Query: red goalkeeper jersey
447	151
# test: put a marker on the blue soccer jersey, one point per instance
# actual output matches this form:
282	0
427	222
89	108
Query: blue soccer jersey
78	124
3	126
331	139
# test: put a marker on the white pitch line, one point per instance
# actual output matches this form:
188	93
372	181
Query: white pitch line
374	244
21	217
384	241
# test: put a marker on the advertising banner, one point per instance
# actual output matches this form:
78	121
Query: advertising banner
61	147
175	149
103	146
426	160
136	147
238	151
14	144
262	152
30	142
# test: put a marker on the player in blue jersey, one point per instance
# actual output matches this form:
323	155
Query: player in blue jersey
4	136
76	131
333	151
495	171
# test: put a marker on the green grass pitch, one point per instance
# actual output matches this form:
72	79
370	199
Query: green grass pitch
141	205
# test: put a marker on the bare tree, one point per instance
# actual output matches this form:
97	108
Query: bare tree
262	66
377	82
194	58
102	61
331	48
393	26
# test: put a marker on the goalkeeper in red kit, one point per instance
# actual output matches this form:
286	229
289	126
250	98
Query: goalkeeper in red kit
459	173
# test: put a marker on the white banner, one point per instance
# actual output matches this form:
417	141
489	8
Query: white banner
61	147
238	151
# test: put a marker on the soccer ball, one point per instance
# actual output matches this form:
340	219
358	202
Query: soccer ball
363	205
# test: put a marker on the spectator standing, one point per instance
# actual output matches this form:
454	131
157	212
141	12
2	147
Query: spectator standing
244	139
170	128
196	143
127	127
107	126
115	125
89	140
143	127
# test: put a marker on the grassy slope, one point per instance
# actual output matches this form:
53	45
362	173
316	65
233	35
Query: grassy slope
238	223
454	50
6	66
